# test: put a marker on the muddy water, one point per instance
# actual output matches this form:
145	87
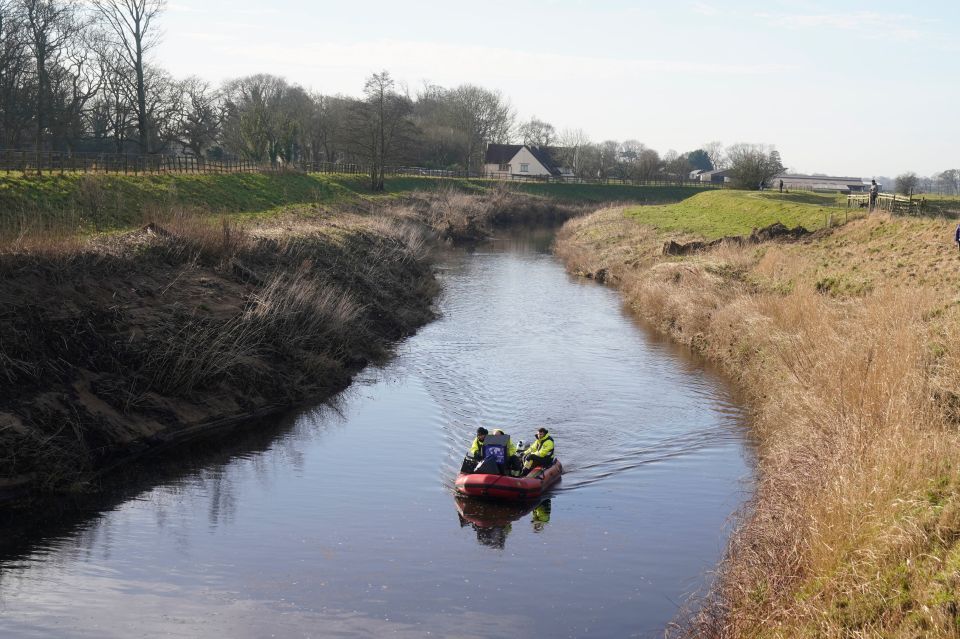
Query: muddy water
340	521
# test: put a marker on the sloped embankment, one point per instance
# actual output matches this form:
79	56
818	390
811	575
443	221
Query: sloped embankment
149	338
846	345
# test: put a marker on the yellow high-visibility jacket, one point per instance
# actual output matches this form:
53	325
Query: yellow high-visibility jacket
476	448
541	447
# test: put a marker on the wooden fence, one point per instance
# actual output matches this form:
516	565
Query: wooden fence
63	162
887	202
55	162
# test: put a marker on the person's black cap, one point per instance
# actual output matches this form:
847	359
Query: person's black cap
481	431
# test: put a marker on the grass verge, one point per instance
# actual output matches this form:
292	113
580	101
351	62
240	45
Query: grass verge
74	204
719	213
846	345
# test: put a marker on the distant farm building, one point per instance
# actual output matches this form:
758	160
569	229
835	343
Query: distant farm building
797	182
520	160
716	177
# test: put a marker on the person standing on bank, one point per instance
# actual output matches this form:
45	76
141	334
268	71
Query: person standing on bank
874	191
781	186
956	236
539	454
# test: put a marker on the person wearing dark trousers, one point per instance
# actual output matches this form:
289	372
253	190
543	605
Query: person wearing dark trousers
956	236
539	454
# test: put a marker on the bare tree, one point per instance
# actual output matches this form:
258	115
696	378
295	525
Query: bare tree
380	124
131	24
907	183
949	181
74	83
199	125
608	160
441	144
574	144
716	155
537	132
484	116
163	107
52	26
327	127
16	104
677	165
251	106
113	112
753	165
647	165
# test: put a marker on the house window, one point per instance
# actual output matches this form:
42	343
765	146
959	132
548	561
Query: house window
524	168
504	167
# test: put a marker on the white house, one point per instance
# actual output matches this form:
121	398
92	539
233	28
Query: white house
520	160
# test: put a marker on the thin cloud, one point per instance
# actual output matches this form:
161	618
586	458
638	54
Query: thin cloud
705	9
869	24
185	8
430	55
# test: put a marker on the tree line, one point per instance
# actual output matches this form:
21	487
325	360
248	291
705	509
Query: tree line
78	76
909	183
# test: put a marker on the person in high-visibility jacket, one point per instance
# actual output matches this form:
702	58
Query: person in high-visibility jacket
539	454
476	448
511	447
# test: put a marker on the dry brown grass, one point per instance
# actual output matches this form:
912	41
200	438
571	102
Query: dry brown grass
854	528
457	215
189	320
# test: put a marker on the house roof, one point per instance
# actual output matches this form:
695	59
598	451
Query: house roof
503	153
544	156
799	177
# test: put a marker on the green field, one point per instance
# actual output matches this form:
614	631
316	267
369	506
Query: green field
715	214
91	203
558	191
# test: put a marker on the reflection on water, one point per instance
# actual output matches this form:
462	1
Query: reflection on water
338	521
493	521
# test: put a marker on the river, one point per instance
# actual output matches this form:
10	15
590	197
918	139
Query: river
340	521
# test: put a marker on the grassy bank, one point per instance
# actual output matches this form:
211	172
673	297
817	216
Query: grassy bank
846	344
715	214
121	342
146	338
78	203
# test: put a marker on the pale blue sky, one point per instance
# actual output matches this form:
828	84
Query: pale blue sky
858	88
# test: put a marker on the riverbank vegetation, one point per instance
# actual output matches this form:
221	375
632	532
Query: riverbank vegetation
845	343
74	204
719	213
266	291
145	338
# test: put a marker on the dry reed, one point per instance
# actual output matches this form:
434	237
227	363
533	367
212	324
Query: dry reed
191	319
854	528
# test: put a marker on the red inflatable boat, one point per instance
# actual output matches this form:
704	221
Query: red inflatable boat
506	487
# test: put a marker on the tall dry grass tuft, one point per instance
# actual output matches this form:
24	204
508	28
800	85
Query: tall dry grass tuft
189	320
456	215
854	528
